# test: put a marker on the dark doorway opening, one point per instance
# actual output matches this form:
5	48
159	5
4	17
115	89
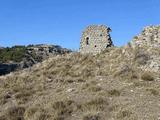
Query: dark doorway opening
87	41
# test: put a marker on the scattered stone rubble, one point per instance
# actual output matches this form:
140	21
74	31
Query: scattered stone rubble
150	40
150	37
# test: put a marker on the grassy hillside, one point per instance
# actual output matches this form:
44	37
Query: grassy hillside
75	86
118	84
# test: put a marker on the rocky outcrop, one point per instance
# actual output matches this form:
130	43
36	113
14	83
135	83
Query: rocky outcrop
32	55
149	37
149	41
38	53
7	68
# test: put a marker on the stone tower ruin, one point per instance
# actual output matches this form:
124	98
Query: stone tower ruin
95	38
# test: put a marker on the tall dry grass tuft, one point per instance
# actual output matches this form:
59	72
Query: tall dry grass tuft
97	104
14	113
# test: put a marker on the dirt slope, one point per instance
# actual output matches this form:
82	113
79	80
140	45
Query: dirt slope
118	84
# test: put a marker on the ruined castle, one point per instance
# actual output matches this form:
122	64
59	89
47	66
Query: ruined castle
95	38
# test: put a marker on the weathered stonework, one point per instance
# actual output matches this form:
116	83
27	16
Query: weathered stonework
149	39
95	39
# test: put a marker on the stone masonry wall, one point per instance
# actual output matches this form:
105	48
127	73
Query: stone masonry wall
150	39
95	39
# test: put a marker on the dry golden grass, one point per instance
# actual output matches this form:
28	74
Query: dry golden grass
91	117
14	113
110	85
123	114
96	104
153	91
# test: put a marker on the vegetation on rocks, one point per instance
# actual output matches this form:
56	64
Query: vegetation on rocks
19	57
15	53
120	84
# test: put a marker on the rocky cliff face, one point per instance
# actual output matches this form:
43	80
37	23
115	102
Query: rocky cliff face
148	42
38	53
31	55
7	68
150	37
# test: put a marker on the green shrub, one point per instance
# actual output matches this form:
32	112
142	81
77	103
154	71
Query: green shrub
15	53
136	37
